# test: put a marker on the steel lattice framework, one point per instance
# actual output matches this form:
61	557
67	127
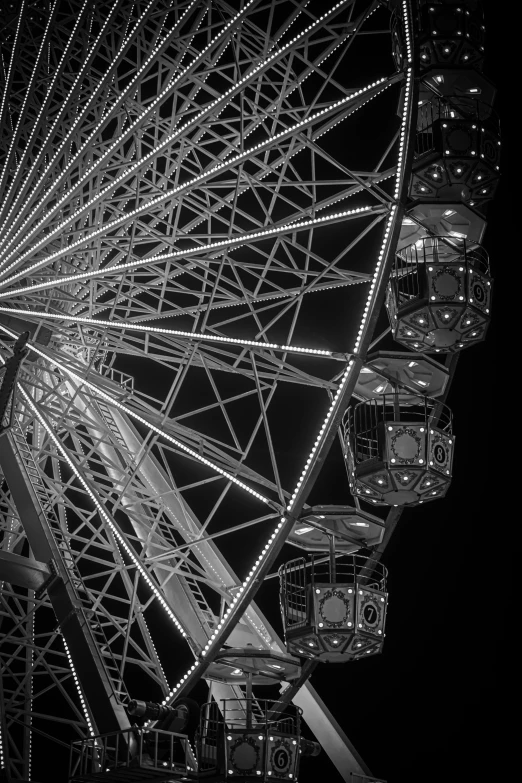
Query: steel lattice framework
184	198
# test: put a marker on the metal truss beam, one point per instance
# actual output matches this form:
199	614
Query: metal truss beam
23	571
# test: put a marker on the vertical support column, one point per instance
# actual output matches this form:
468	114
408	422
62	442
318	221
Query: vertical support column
4	749
28	688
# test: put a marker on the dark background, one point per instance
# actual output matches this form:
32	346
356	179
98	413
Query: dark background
440	703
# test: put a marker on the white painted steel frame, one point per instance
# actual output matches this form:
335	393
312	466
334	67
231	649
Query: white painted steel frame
67	373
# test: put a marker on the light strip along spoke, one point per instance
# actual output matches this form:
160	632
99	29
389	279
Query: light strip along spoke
101	511
293	293
328	78
95	94
180	269
133	127
235	240
269	257
344	103
211	247
12	61
100	393
28	91
145	114
42	110
85	708
195	123
171	332
326	203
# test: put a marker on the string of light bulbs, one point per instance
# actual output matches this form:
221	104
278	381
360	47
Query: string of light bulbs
171	138
66	140
99	161
126	325
211	247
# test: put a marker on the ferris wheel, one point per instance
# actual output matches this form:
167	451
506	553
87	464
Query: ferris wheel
236	238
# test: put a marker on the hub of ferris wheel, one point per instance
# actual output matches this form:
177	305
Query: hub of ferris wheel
398	444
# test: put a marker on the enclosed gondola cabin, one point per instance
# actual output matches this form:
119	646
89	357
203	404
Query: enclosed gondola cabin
333	608
399	454
439	295
457	152
269	748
